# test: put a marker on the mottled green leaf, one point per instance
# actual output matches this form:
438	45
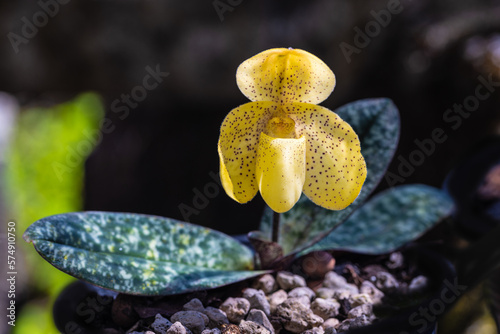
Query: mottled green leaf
376	121
140	254
389	220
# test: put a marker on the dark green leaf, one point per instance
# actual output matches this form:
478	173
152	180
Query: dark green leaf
140	254
389	220
376	121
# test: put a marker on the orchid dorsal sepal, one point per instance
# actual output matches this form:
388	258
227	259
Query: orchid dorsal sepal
285	75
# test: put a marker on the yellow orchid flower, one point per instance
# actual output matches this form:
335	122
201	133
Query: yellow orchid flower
283	143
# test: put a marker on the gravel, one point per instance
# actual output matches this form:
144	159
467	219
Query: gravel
283	301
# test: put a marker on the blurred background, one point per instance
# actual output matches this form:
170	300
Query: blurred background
116	106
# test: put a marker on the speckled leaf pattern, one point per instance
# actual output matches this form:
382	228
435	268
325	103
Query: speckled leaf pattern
389	220
376	122
140	254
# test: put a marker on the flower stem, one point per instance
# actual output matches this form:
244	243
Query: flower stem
276	226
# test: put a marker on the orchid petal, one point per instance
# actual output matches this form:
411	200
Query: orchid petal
239	137
335	168
284	76
281	170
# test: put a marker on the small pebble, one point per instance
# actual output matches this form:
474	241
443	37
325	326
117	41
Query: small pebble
354	323
194	305
192	320
297	318
258	300
344	294
360	299
277	325
211	331
178	328
266	283
339	284
325	308
304	300
373	269
386	282
229	329
288	281
371	290
330	330
236	309
325	293
277	298
353	289
396	260
365	309
332	322
345	325
215	316
250	327
418	284
315	330
334	280
260	318
248	292
302	291
160	325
